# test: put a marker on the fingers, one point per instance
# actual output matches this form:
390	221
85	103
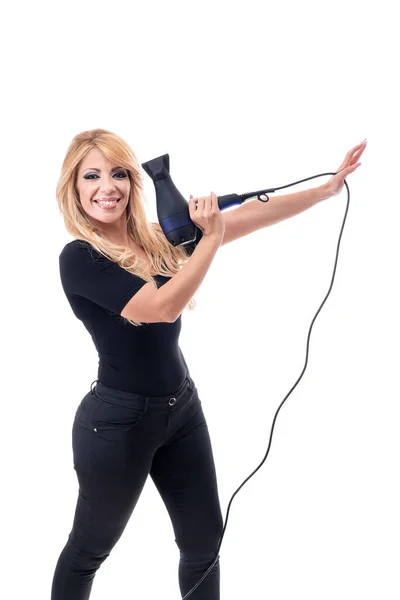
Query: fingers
204	201
195	202
214	200
351	152
192	206
201	202
353	155
358	153
353	167
348	170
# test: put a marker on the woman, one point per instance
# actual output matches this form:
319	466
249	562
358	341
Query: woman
128	285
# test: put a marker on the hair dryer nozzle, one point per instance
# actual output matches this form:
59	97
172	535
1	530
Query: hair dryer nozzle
157	168
172	207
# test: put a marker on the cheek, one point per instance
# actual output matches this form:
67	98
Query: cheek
88	192
85	196
126	188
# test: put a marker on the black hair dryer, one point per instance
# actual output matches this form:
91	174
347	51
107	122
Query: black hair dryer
172	208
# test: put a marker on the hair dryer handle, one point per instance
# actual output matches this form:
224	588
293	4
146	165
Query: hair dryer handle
229	200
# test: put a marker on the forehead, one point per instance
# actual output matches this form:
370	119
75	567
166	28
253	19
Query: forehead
96	158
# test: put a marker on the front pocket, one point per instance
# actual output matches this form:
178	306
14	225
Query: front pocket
113	421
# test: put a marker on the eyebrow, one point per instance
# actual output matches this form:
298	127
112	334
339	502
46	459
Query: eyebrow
98	170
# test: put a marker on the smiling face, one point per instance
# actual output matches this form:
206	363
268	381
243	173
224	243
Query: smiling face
103	188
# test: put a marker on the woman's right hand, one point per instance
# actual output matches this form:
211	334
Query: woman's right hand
206	214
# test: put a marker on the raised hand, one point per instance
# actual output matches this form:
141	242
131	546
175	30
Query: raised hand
350	164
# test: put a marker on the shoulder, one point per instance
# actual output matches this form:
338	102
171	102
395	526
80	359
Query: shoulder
76	248
76	244
77	255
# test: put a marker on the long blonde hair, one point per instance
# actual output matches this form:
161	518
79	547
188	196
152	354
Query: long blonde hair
165	259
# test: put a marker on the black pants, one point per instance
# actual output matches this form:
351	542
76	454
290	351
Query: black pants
118	438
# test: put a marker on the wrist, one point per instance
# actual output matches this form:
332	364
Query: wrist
213	238
323	192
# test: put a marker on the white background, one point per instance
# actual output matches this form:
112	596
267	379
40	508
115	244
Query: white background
242	96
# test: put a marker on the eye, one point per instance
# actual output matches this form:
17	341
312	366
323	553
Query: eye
94	175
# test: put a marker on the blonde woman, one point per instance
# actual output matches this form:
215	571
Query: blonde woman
128	285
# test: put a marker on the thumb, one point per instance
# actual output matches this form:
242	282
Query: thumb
352	168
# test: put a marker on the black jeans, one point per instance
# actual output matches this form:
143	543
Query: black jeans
118	438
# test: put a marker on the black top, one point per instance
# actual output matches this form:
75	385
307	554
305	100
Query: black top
144	360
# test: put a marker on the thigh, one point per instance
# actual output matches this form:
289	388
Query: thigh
112	461
184	473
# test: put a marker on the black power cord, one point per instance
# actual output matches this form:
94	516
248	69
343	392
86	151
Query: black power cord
301	375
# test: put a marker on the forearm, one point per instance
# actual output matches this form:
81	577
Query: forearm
281	207
177	293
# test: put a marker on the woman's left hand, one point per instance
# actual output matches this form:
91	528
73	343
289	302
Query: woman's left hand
349	165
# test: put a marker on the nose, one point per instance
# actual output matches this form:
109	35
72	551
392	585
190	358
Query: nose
108	183
108	186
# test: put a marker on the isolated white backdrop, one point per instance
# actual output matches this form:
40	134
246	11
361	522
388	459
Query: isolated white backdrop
242	96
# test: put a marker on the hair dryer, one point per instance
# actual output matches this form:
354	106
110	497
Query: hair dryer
173	209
